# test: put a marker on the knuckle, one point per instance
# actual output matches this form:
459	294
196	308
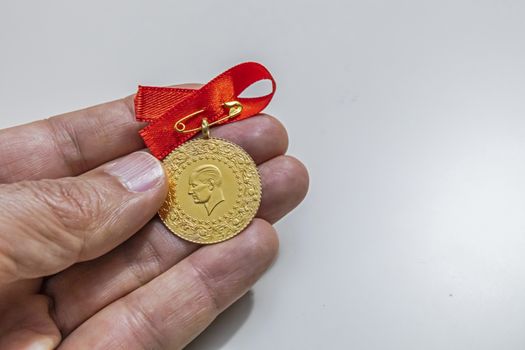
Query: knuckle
8	264
208	299
146	264
74	204
49	218
142	326
8	261
66	143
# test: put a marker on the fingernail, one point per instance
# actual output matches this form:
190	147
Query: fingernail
138	172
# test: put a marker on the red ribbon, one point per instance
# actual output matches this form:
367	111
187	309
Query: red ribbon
162	107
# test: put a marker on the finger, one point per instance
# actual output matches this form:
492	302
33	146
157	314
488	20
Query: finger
285	183
154	250
263	136
169	311
76	142
26	324
72	143
83	289
47	225
69	144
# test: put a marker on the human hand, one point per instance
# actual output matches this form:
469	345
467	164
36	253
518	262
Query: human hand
82	263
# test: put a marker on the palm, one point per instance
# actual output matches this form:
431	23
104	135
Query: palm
152	290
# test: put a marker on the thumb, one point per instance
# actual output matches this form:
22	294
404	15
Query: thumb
48	225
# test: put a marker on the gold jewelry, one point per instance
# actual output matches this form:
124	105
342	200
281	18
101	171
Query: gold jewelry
214	189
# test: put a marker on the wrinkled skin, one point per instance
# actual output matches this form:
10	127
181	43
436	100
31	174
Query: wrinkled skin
84	262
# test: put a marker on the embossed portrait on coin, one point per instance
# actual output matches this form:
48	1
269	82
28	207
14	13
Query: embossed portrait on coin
205	187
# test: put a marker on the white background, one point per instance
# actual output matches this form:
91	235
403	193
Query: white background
410	116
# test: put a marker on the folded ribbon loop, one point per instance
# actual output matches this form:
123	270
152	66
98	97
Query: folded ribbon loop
163	107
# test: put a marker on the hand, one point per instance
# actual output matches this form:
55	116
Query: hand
82	263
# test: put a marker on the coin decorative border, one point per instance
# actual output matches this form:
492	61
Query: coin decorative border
248	196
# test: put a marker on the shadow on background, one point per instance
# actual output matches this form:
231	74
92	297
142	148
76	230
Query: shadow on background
224	327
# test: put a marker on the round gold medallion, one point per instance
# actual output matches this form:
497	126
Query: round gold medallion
214	190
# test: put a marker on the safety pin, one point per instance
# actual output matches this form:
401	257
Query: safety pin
234	109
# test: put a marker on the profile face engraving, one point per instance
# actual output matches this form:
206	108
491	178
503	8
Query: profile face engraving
214	191
205	187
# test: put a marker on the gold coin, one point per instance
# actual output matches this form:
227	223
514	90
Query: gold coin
214	190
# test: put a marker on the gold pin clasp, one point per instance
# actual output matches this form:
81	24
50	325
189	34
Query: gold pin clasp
234	109
205	127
